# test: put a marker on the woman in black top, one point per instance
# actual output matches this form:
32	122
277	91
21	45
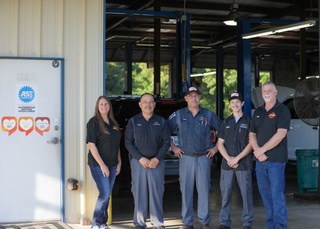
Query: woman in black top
103	138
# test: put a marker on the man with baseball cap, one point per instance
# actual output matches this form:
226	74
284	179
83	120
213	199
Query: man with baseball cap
194	125
233	145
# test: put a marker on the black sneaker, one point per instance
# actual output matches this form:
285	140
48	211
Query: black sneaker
223	227
205	226
186	227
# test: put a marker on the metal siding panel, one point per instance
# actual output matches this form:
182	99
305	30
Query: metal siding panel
29	28
52	28
94	86
73	30
9	27
72	53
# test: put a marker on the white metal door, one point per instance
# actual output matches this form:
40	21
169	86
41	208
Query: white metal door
30	140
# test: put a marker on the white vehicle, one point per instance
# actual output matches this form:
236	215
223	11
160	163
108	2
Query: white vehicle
300	135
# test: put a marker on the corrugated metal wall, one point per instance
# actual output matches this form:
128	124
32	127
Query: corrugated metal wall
73	30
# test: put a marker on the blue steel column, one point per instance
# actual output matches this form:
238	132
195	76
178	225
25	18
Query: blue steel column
185	52
178	60
244	64
188	55
128	66
219	80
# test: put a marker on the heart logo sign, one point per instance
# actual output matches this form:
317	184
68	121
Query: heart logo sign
26	124
42	125
9	124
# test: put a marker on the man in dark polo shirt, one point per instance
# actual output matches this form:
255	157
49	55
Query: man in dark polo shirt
268	137
147	140
233	145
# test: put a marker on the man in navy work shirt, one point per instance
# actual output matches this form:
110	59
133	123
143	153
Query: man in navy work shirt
268	137
147	140
233	145
195	150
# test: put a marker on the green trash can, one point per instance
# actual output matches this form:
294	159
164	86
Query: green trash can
307	170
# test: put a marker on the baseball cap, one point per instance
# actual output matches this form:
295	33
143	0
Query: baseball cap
192	89
236	95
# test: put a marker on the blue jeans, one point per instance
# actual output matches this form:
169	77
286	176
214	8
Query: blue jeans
104	185
271	183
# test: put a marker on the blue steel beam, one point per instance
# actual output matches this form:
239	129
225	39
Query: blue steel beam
144	13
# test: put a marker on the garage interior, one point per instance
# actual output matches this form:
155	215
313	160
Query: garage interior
192	34
145	27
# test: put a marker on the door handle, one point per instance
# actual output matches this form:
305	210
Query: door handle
53	141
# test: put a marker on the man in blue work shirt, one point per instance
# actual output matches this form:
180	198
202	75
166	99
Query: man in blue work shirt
147	140
233	145
194	125
268	137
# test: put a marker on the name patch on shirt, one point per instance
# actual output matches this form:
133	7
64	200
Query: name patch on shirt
156	124
243	125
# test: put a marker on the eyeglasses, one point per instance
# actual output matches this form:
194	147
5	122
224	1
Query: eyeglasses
194	96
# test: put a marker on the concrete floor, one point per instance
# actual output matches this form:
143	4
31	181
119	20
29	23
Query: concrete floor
301	213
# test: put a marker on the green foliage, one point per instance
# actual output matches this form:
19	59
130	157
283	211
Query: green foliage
143	82
230	85
142	79
115	78
207	87
264	77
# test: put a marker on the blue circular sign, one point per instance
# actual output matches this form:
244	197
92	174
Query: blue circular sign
26	94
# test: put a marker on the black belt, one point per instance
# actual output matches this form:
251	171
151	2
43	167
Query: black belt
195	154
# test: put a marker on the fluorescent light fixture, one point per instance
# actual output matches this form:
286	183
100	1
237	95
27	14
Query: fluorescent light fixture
230	22
233	15
280	29
203	74
151	45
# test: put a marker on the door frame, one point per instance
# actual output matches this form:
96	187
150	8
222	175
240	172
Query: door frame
62	181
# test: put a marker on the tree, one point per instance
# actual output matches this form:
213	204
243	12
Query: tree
115	78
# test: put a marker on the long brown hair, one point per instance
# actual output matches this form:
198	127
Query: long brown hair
99	117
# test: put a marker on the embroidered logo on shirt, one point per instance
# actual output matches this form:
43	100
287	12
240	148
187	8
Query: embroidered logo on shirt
115	127
227	127
156	124
172	115
272	115
139	124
